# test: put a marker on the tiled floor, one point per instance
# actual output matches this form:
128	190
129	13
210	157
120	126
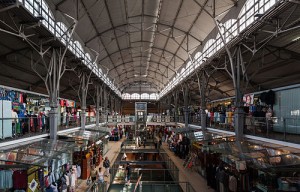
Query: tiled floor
185	175
113	151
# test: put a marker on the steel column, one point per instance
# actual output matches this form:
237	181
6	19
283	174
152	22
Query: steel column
176	106
98	95
239	112
186	109
83	102
202	83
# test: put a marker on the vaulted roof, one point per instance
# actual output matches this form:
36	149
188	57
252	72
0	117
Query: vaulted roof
143	41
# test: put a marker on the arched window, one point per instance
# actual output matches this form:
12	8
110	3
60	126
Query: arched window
79	51
189	67
72	47
33	7
209	48
153	96
183	73
125	96
135	96
88	57
144	96
229	29
197	55
61	32
219	42
199	61
251	8
47	16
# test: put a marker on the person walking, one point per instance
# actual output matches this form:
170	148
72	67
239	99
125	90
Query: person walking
100	176
94	174
128	174
106	165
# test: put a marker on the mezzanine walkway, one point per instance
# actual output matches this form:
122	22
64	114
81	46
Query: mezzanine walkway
186	175
112	154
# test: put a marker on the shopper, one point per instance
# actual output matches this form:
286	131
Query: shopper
100	176
15	120
106	165
94	173
128	174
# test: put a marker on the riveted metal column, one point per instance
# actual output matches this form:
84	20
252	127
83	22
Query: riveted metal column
83	103
236	76
202	83
115	105
112	105
105	102
158	106
53	93
169	104
186	107
176	106
239	114
98	98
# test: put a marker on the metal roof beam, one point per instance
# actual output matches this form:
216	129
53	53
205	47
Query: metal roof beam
94	26
151	61
124	25
128	48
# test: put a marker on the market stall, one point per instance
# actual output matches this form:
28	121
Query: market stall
257	167
88	150
34	165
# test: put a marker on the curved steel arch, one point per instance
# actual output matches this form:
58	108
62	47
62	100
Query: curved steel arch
152	78
125	24
150	61
161	74
120	50
123	87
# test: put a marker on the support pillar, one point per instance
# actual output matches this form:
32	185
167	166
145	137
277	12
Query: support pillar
112	110
169	105
186	109
239	114
236	77
98	95
105	105
176	107
83	103
53	118
203	103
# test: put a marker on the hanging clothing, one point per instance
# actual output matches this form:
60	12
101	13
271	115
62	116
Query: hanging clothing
78	171
46	181
230	117
20	179
64	185
67	178
232	184
73	180
6	179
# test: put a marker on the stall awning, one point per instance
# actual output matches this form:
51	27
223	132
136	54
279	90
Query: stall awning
38	152
256	154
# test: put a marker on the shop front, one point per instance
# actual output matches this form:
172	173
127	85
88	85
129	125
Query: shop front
36	165
248	166
89	149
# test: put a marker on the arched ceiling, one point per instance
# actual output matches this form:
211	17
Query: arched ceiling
142	41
